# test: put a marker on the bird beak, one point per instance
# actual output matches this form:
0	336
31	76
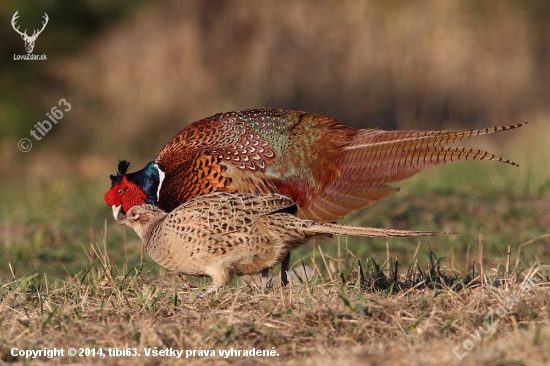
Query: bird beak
119	216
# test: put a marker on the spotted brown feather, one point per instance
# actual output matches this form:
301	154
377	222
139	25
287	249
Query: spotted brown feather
223	235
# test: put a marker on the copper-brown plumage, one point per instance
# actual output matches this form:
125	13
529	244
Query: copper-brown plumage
223	235
328	168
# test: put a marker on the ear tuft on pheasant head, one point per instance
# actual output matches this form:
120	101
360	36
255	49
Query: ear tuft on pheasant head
133	189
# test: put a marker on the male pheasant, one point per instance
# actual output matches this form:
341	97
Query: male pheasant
223	235
327	168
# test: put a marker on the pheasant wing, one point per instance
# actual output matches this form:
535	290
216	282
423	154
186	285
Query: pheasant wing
230	212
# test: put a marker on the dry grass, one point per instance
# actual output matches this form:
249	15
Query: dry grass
317	320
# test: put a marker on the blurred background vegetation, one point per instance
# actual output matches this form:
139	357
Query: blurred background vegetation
136	72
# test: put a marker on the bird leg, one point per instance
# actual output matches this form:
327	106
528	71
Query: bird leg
220	278
265	275
284	270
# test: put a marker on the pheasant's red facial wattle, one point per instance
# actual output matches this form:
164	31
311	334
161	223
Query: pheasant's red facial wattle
125	193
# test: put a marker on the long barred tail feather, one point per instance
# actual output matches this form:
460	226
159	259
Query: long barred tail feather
380	157
439	138
335	229
375	158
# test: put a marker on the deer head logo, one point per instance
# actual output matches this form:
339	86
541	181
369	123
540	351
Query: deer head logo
29	41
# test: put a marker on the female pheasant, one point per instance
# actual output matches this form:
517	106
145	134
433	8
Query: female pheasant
327	168
223	235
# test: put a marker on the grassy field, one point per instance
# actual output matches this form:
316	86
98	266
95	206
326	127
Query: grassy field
70	277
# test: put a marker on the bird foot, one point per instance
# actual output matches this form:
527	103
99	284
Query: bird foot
208	291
